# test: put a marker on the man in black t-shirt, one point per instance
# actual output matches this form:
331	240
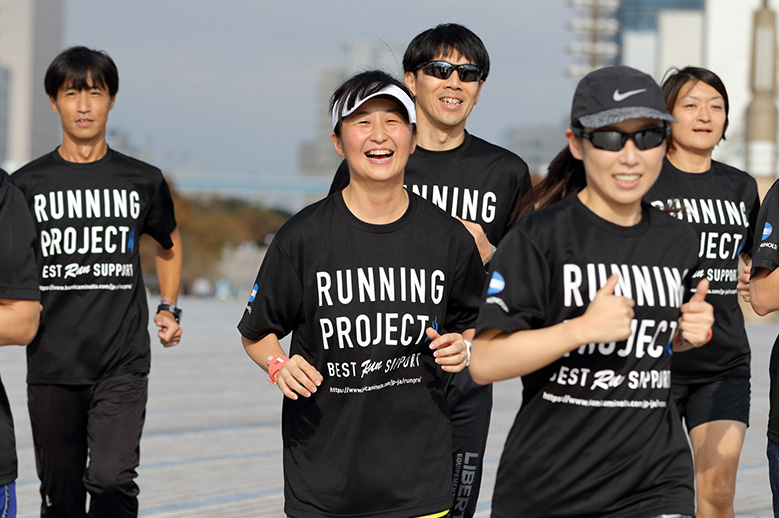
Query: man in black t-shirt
19	314
87	369
471	179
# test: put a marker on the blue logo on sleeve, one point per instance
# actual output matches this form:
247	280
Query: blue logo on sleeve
254	293
497	283
767	231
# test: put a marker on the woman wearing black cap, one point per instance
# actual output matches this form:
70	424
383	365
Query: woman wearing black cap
377	287
585	302
710	385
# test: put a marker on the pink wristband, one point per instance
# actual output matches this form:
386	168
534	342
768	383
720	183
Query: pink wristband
275	363
681	341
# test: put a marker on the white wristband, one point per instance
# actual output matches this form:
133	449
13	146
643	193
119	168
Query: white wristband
468	346
494	248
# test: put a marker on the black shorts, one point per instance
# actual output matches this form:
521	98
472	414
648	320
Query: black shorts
725	399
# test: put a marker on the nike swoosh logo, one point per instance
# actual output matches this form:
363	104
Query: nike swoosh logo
622	96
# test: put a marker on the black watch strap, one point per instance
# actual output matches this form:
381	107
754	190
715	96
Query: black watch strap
172	309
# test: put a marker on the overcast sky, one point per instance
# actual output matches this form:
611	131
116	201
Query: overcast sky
230	85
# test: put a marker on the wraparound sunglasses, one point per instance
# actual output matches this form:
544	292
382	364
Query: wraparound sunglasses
613	140
443	69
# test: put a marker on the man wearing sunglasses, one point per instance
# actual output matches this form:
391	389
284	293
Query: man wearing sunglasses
475	181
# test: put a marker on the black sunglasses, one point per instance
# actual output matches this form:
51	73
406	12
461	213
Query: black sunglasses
442	70
613	140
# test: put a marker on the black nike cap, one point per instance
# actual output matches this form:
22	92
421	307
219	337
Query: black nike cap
614	94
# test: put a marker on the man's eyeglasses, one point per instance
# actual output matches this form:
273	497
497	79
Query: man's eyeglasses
613	140
442	70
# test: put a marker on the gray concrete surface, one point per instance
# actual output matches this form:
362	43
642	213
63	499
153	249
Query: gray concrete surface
212	441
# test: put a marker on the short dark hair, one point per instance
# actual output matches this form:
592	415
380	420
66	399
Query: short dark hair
74	66
360	86
677	78
444	40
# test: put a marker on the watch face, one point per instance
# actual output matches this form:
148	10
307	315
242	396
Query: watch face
171	308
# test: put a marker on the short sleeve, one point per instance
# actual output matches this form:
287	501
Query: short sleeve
276	300
161	219
18	269
525	185
749	241
468	283
517	295
765	253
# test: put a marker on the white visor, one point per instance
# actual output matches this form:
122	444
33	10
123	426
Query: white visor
391	91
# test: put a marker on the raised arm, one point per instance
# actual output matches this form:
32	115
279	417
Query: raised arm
696	320
498	356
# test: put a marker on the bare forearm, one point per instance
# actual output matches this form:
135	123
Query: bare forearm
480	238
169	264
18	321
764	291
259	350
499	356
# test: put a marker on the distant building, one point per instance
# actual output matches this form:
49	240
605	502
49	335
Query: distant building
642	15
31	34
728	41
317	156
657	33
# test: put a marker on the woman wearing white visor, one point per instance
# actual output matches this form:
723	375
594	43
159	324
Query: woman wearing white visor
378	288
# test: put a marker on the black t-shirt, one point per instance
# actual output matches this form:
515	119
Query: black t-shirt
721	204
476	181
765	254
18	281
375	438
89	219
596	434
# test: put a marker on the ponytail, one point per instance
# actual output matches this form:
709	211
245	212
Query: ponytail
564	177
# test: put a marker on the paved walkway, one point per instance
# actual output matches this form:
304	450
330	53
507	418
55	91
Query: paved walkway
212	445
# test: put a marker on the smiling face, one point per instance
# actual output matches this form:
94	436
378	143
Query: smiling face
700	110
83	113
618	180
376	141
443	103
